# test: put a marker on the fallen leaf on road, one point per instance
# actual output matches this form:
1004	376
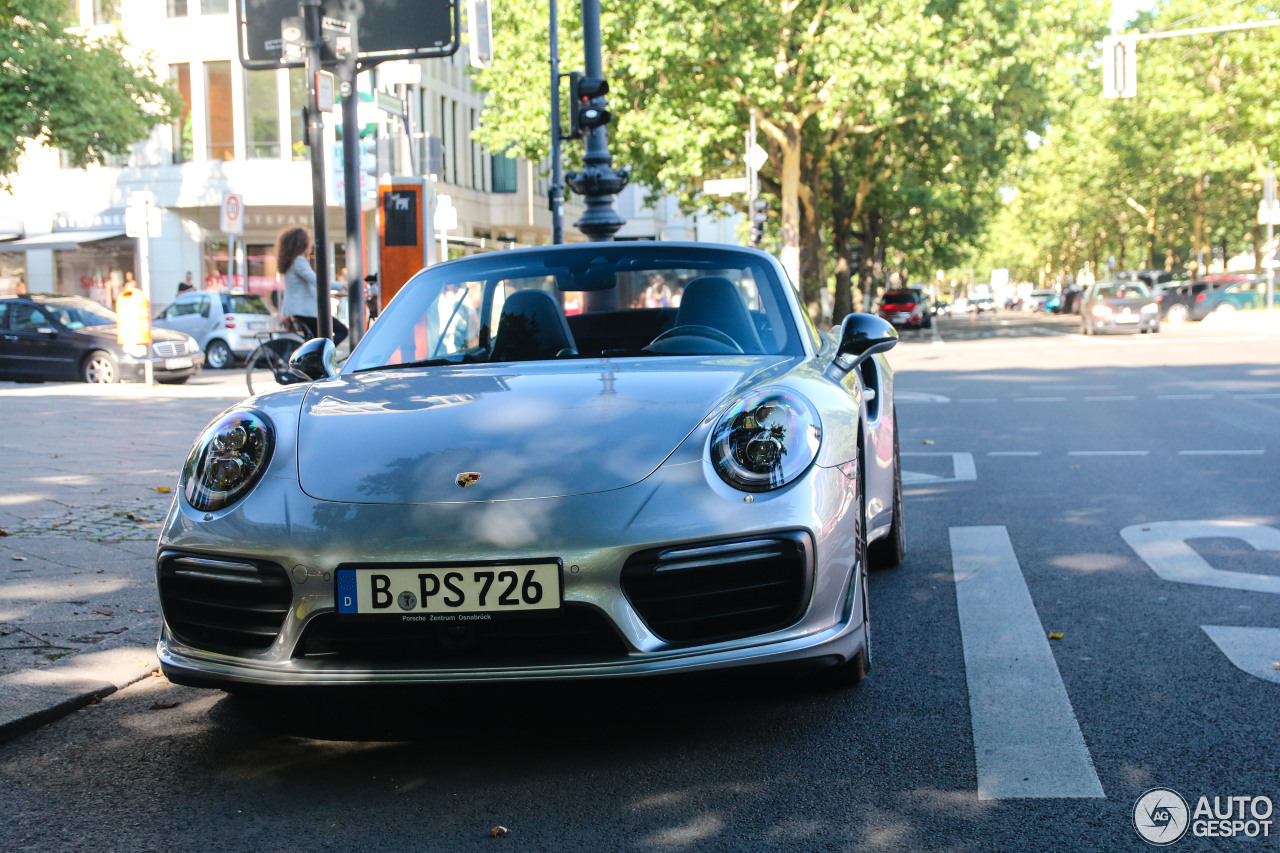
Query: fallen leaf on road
499	831
3	532
163	490
164	706
1075	466
927	441
1057	636
136	610
1276	664
133	517
103	612
20	559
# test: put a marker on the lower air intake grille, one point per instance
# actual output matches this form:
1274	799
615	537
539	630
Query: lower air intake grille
576	634
224	603
713	591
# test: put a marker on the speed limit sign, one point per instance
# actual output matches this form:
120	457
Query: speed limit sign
233	214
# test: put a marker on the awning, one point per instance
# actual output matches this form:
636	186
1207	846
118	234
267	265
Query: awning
60	240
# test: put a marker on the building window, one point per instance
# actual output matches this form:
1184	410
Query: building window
297	101
176	8
453	139
213	7
106	11
218	116
180	76
444	139
475	154
505	177
262	120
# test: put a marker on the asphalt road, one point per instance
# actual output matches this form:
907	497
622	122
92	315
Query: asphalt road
1047	464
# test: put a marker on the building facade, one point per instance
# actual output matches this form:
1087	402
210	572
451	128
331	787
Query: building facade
241	132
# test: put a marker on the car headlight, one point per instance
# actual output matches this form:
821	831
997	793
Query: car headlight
227	460
765	440
1101	310
1150	309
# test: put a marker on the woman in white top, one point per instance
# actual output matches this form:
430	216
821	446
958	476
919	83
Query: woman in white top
293	247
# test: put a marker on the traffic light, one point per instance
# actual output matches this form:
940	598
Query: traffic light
759	216
587	104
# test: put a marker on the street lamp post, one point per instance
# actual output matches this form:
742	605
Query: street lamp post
556	193
598	182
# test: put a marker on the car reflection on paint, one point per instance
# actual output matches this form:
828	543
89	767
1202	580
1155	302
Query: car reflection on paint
545	472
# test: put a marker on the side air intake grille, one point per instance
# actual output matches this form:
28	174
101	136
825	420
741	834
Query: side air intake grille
725	590
224	603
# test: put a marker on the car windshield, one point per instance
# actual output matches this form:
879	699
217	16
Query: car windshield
1123	290
239	303
611	301
76	313
892	298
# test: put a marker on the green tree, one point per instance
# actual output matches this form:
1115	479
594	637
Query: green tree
69	90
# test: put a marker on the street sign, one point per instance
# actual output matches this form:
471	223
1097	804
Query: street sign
725	186
389	103
324	91
480	33
1119	66
375	30
232	219
757	157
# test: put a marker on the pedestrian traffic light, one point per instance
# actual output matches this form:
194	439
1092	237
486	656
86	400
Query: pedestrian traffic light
759	216
587	104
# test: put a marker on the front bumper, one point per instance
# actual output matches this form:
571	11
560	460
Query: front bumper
593	535
134	369
1113	323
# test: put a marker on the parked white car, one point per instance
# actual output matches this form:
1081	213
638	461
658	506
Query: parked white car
226	325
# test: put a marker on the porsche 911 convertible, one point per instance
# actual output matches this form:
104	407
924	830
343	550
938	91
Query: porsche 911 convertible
599	460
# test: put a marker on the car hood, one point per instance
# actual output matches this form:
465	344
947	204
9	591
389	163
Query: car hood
108	334
549	429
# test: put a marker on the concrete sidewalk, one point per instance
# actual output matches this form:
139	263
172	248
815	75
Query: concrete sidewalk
1248	322
86	476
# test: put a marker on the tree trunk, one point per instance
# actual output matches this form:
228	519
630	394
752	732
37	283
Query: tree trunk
842	244
791	153
1257	249
867	267
814	288
1198	237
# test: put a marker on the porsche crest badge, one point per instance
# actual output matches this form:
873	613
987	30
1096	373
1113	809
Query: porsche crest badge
468	478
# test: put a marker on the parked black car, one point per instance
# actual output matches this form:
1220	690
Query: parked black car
1177	303
49	336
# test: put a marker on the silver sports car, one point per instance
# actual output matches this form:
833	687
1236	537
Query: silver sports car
611	459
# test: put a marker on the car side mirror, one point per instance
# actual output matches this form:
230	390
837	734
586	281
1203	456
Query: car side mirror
314	359
861	336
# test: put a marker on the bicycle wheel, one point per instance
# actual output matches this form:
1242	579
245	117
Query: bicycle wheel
268	365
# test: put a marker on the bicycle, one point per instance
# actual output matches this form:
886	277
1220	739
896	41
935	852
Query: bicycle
268	365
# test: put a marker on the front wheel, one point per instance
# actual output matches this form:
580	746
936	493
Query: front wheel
218	355
1177	314
1226	309
100	368
851	672
268	366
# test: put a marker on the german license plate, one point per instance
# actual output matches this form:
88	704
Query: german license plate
1126	318
177	363
256	326
449	593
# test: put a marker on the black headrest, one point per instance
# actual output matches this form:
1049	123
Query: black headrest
714	301
532	327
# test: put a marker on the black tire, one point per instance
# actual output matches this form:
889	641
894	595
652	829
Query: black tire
100	368
181	380
850	673
217	355
889	552
1177	313
268	366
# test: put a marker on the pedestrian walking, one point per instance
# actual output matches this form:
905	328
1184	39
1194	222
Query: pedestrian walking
293	250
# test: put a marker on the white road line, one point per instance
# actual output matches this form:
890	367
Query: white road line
1114	397
978	400
1256	396
1221	452
1039	399
1108	452
1013	453
1027	742
1251	650
1163	545
1072	387
963	469
1184	397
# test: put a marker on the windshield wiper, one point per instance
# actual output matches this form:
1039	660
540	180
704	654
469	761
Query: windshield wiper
426	362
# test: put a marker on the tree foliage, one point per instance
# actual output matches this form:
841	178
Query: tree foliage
71	90
1169	178
888	124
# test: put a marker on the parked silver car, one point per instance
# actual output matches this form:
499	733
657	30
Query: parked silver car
542	476
226	325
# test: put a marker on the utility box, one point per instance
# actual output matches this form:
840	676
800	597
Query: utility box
406	217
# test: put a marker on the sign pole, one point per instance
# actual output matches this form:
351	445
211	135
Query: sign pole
352	195
556	195
315	139
144	278
1270	194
